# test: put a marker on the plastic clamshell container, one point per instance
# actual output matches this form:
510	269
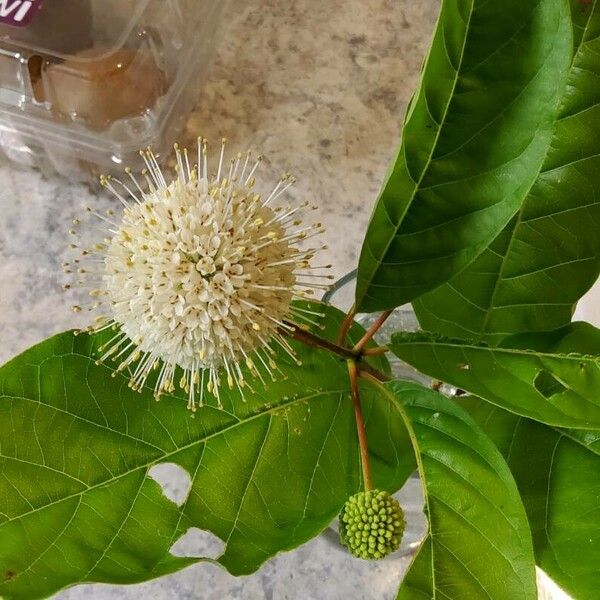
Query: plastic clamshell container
85	84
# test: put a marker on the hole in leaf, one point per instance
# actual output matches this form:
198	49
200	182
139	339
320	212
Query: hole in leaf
195	543
547	385
174	480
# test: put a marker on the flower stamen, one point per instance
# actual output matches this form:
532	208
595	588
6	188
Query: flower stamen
198	274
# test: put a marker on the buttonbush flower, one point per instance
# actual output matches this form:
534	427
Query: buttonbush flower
198	275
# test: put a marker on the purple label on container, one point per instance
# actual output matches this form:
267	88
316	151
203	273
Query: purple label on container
18	12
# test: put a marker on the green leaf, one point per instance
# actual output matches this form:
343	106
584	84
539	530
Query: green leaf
532	275
479	544
553	385
77	503
475	139
418	583
558	475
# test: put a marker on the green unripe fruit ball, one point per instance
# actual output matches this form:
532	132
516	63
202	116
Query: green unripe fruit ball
372	524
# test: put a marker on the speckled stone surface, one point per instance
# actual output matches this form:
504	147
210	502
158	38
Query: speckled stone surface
320	87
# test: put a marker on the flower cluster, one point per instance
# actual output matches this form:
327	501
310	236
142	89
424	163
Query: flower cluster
199	275
372	524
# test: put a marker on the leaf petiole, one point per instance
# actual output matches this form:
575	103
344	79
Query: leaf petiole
375	327
345	326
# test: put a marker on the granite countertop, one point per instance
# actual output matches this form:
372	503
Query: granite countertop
320	88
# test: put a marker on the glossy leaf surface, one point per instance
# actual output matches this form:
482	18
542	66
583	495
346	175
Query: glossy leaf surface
474	142
479	544
76	446
552	384
558	475
533	274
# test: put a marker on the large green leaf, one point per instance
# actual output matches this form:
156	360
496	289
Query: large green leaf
544	380
479	544
418	583
530	278
475	139
558	475
77	503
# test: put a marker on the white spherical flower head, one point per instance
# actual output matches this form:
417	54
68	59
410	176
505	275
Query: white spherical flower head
199	276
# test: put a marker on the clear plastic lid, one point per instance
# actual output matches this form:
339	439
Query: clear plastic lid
88	82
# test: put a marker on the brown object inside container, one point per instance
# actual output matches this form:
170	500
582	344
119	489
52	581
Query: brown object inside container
34	66
98	88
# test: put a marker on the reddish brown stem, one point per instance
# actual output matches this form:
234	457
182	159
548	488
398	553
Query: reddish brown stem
360	426
365	339
310	339
345	326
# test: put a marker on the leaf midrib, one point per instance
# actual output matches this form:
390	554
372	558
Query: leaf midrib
170	454
501	270
431	152
491	396
83	419
499	349
426	495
